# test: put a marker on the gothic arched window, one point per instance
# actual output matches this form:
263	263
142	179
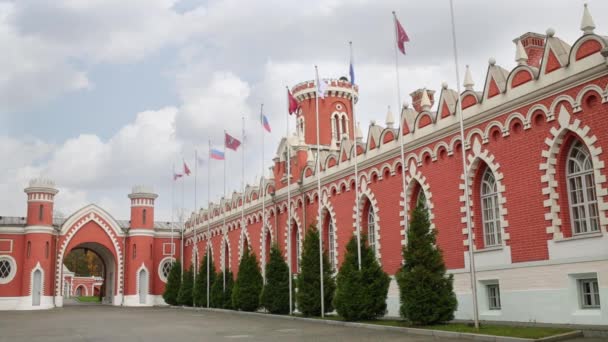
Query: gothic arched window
490	210
581	191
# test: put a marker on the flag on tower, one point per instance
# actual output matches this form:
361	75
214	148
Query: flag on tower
321	87
186	169
351	71
177	175
293	103
216	154
232	142
401	35
265	123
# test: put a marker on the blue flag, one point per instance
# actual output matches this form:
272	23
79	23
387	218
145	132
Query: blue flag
351	71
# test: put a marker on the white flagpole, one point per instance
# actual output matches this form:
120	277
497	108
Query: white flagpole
289	225
401	123
243	180
208	216
224	215
194	222
466	179
352	105
320	226
181	222
172	209
263	192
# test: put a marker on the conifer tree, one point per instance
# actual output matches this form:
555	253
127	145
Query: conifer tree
221	297
275	295
248	286
309	280
200	285
174	281
184	296
426	292
361	294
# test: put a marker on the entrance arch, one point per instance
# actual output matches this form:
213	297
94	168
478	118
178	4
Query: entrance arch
93	229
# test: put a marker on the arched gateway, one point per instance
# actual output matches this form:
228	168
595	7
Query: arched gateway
133	252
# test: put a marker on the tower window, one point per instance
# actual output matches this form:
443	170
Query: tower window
40	212
134	251
144	214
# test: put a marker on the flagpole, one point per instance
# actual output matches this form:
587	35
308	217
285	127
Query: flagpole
401	123
466	179
320	228
194	230
224	214
352	105
208	217
289	225
243	227
172	209
263	191
181	224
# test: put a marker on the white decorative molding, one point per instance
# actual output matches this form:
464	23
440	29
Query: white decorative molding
68	231
550	159
266	228
365	193
327	207
13	271
413	177
476	155
244	235
296	219
144	268
10	248
223	256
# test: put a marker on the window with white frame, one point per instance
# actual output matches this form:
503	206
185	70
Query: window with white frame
493	291
371	229
589	293
490	210
331	243
164	268
421	200
581	191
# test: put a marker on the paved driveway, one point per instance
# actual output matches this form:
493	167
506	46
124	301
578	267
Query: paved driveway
106	323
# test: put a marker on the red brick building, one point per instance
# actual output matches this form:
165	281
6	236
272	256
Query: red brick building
535	142
535	138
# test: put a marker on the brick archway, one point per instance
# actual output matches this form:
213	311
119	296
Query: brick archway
94	229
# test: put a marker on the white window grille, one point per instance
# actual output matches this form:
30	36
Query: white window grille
490	210
581	191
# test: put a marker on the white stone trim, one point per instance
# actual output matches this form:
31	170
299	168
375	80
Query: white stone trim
225	241
412	177
13	272
37	268
266	227
326	206
144	268
296	219
93	213
244	235
550	157
160	268
366	193
475	155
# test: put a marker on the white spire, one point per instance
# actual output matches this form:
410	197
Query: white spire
425	102
587	25
468	79
358	133
521	57
390	120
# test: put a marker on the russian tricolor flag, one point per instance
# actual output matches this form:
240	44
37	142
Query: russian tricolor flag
265	122
217	154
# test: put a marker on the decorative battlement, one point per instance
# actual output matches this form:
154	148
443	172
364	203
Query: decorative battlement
142	191
337	88
41	189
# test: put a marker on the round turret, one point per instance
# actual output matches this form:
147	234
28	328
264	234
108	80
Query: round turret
40	198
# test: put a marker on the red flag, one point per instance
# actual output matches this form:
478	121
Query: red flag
186	169
401	35
231	142
177	175
293	103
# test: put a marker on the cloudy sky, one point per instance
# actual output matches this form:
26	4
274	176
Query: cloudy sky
101	95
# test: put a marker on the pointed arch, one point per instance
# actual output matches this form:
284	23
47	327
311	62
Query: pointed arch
415	178
330	238
368	207
225	253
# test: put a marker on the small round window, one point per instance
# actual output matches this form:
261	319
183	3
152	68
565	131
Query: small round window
8	268
339	106
164	268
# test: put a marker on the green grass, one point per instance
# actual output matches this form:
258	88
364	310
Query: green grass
88	299
486	329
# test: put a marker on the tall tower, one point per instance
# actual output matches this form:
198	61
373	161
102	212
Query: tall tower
140	263
335	112
40	196
39	245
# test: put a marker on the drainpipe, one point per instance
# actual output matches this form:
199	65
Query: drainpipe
124	253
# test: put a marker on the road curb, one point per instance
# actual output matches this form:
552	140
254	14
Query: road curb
412	331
